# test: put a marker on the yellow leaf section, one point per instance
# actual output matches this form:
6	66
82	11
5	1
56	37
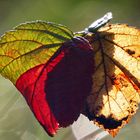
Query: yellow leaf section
116	79
29	45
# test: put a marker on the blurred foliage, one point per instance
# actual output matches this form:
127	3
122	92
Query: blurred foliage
75	14
16	120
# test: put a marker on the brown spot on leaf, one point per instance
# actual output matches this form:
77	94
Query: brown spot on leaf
131	52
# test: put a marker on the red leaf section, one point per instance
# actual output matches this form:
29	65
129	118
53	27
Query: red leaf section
56	91
31	84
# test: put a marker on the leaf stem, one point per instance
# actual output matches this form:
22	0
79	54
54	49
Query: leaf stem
99	23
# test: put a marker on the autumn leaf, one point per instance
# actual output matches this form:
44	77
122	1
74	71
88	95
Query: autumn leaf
23	54
36	41
116	79
42	60
62	74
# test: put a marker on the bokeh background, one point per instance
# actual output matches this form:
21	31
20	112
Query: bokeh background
16	120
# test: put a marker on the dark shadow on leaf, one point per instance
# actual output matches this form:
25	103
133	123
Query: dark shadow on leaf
69	83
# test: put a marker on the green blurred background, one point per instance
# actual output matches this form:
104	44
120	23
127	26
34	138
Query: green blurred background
16	120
